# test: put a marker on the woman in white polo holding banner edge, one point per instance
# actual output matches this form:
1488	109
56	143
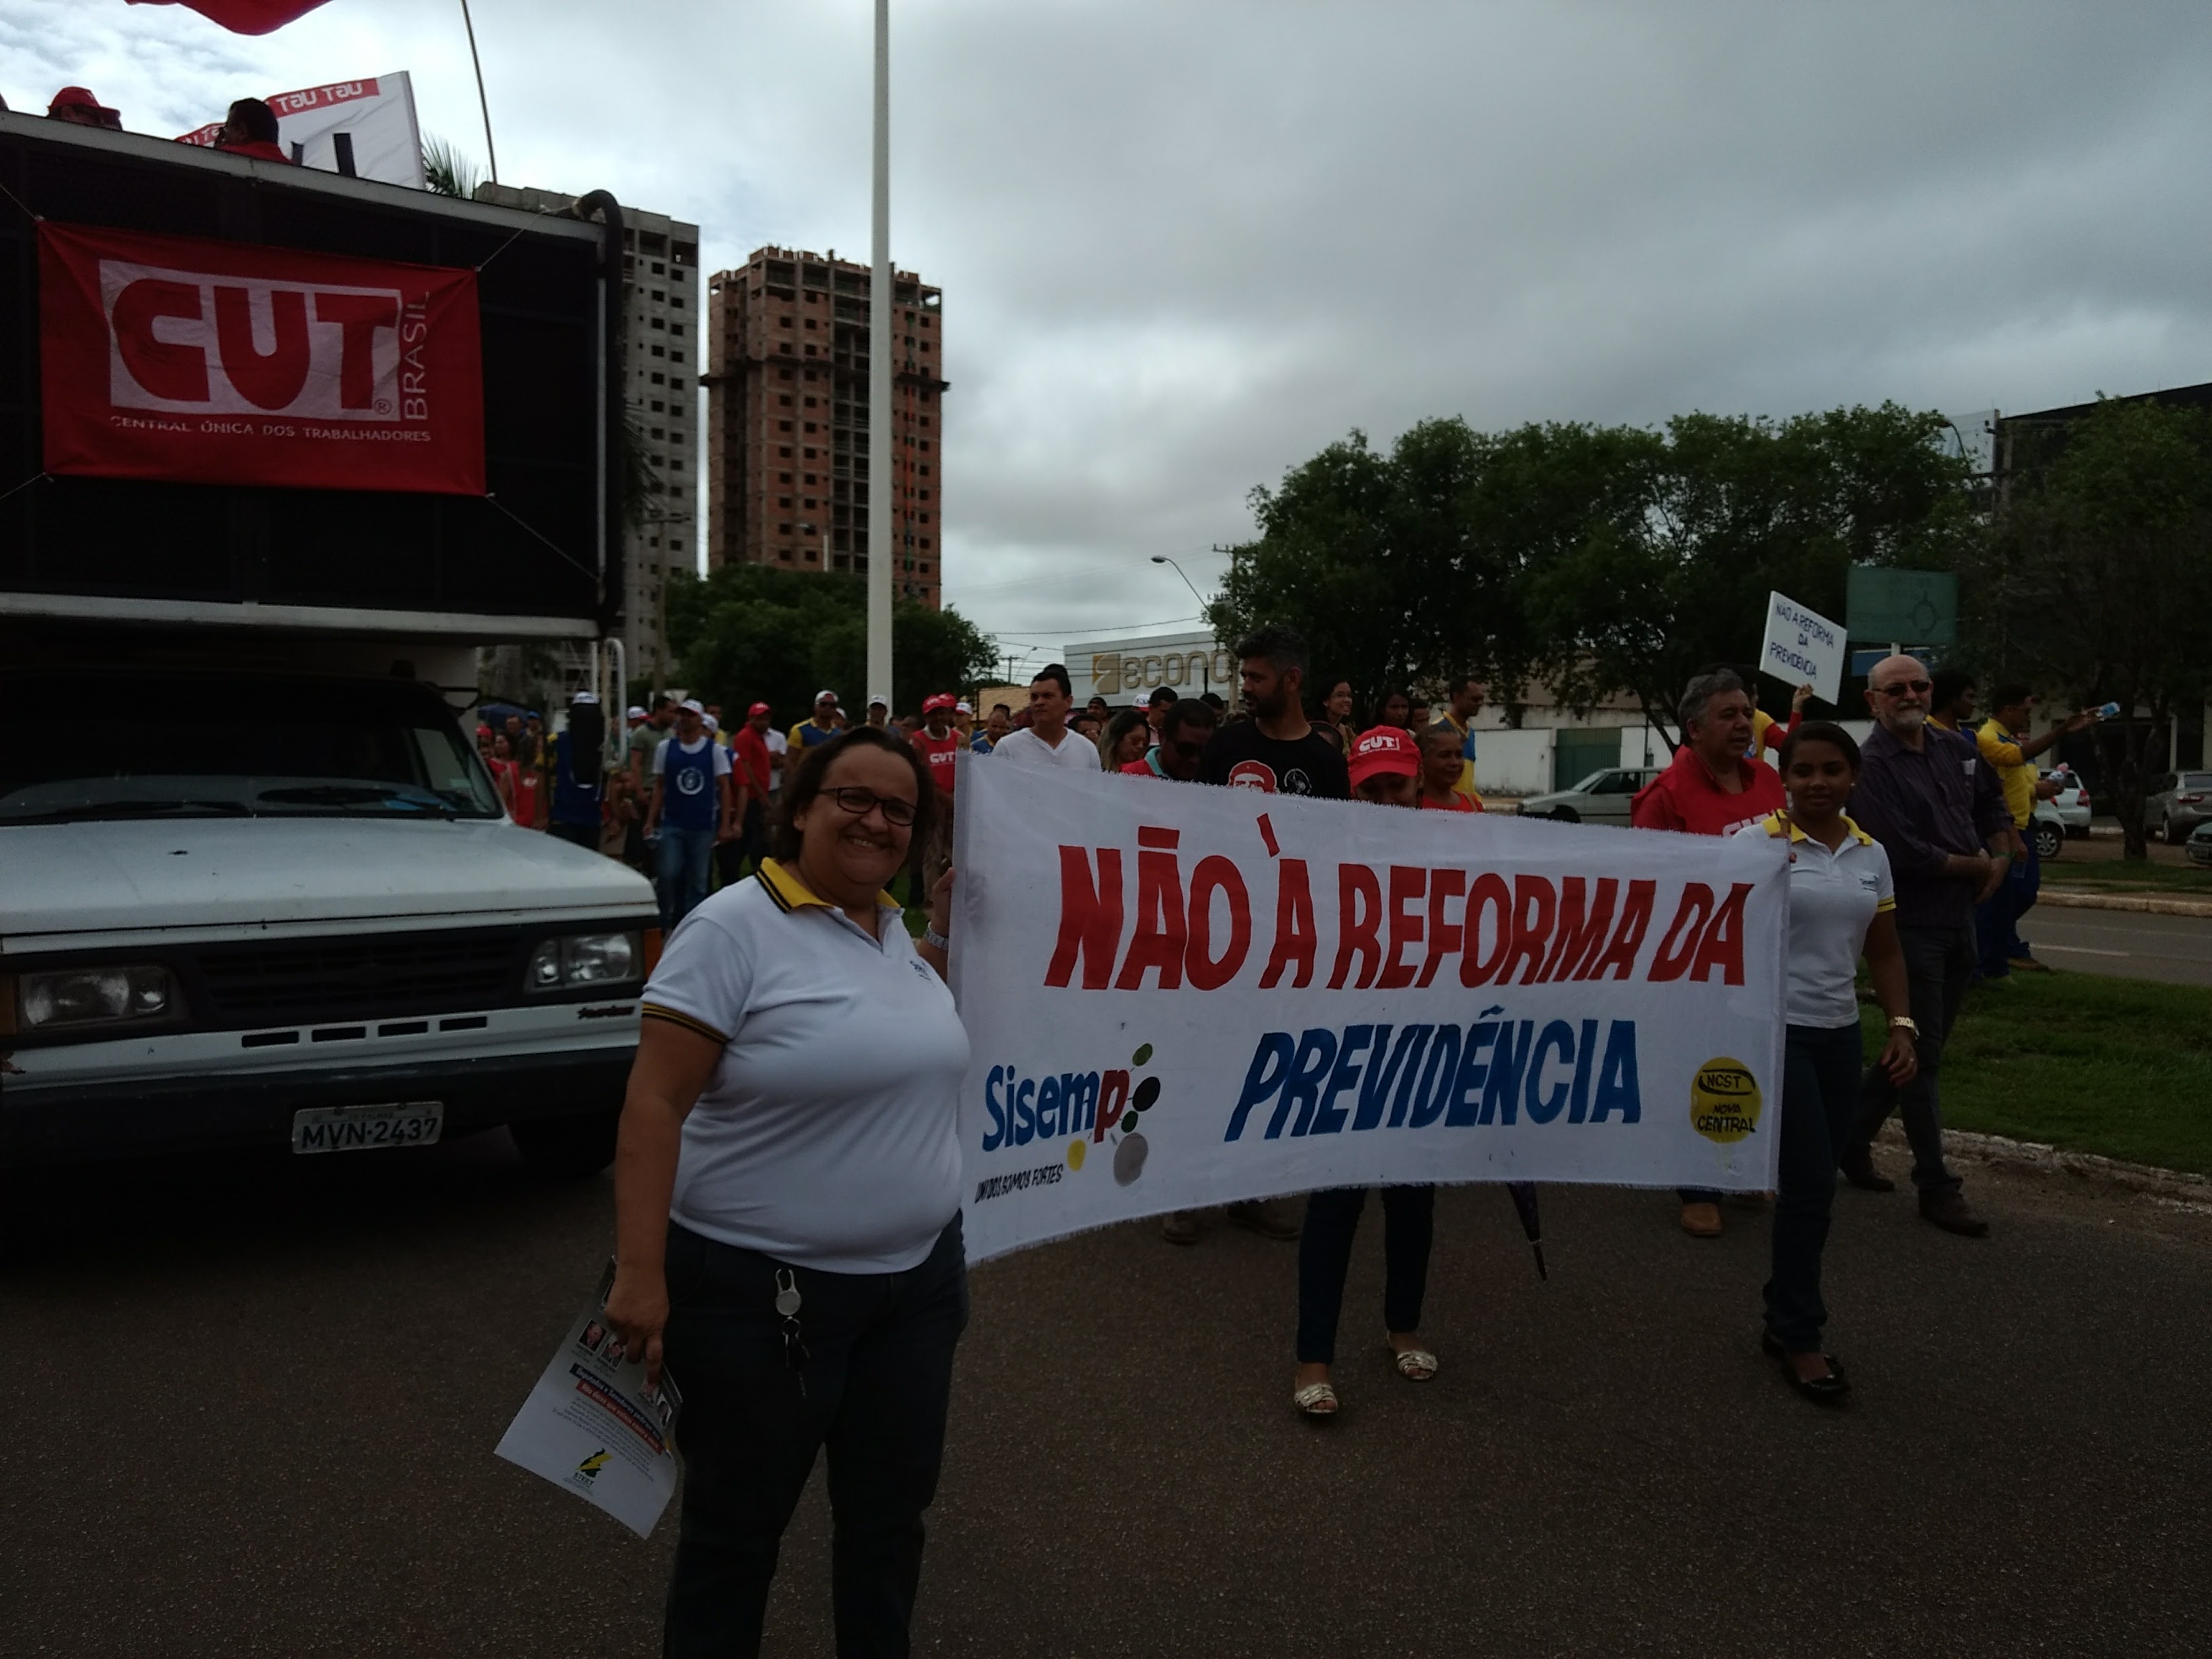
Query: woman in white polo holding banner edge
787	1187
1842	905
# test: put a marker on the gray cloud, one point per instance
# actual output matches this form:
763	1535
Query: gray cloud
1184	247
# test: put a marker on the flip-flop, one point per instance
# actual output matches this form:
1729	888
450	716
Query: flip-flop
1415	1364
1315	1400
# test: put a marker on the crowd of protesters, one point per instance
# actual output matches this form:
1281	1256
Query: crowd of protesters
762	1234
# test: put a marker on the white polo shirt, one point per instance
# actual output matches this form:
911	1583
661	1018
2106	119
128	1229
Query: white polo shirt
828	1136
1834	899
1024	748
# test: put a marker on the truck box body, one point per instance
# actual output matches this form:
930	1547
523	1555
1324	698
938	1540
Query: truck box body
257	888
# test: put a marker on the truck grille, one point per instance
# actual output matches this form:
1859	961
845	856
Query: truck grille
300	980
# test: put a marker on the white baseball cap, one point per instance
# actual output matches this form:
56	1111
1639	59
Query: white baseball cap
582	699
825	696
692	705
713	725
879	701
961	708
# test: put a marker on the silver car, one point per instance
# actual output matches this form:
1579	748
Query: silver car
2176	804
2071	802
1603	797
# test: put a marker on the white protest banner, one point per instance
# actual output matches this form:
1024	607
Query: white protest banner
591	1427
1803	648
1178	996
365	128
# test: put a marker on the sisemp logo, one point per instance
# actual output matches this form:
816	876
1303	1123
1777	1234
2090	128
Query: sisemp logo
690	781
1724	1101
1093	1109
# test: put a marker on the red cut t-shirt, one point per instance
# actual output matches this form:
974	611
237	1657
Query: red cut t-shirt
1686	797
938	752
750	750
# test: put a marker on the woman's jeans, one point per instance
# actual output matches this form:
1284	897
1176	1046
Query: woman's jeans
1325	1256
1820	1100
874	1390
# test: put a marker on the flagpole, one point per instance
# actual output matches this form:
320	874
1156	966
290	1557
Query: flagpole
482	103
879	382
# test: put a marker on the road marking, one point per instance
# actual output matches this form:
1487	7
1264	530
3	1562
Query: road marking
2083	949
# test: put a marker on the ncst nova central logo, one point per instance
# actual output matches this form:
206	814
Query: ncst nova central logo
1091	1109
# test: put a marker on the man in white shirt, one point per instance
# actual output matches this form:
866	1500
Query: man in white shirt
1045	741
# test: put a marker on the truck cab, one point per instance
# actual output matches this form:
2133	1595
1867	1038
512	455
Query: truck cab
283	904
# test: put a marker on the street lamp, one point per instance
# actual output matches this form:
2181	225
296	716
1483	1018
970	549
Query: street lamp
1162	558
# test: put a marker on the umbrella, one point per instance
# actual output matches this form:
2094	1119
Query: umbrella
1523	1193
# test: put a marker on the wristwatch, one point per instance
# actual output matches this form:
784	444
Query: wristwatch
1904	1023
931	936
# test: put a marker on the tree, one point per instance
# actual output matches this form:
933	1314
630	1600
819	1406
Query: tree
1376	560
1659	551
446	171
2099	577
751	632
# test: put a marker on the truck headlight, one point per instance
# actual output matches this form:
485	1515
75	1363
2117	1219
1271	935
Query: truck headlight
95	996
584	959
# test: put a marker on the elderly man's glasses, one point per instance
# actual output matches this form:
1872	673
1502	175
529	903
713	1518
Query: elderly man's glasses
1900	687
858	802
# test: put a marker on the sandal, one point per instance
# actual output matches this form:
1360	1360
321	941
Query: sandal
1315	1400
1829	1390
1415	1364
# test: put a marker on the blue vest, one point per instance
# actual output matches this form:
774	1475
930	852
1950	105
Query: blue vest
688	794
572	802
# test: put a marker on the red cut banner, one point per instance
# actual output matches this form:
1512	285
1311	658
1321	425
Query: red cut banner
243	16
233	363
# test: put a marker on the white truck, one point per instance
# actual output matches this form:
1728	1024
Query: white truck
257	888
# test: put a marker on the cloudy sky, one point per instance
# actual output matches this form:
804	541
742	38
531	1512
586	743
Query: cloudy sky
1185	245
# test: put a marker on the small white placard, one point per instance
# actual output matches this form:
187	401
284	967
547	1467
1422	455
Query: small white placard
1803	648
591	1427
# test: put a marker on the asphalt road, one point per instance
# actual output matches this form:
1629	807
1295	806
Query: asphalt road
2132	944
251	1407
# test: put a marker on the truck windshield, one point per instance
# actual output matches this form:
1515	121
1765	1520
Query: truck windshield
186	745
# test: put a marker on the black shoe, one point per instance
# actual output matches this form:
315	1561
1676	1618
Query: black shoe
1953	1214
1829	1390
1861	1173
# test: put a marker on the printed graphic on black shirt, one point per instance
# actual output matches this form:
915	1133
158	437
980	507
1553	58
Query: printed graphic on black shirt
1243	758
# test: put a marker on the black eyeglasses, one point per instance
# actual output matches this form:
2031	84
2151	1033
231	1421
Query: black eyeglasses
1903	686
858	802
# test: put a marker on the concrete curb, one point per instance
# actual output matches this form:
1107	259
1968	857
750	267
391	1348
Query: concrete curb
2066	900
2174	1187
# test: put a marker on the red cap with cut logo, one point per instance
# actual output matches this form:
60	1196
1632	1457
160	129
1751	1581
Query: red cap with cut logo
1383	748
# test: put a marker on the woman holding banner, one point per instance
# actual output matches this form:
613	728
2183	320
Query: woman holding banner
787	1205
1842	905
1385	767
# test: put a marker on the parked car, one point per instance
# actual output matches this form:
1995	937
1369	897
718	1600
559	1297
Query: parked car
2198	847
2176	804
1601	798
2048	830
2071	802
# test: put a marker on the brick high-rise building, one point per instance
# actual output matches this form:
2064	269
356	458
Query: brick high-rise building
663	321
787	419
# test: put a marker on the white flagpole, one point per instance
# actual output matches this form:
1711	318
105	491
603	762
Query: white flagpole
482	103
880	460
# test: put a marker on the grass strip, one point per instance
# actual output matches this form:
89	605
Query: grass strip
2116	875
2117	1067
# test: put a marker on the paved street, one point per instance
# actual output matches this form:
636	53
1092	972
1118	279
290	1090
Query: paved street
253	1406
2133	945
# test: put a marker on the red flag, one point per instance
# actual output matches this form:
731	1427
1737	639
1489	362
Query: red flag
231	362
243	16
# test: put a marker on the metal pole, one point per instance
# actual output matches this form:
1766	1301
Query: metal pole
482	103
879	380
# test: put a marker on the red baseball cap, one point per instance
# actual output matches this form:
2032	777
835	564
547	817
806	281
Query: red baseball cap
942	700
79	98
757	708
1383	748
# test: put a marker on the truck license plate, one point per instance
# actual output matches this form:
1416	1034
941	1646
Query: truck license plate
365	1128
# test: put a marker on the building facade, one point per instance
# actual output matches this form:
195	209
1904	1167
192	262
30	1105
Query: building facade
787	462
663	309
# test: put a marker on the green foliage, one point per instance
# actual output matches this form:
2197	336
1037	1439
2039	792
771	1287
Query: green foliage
750	632
2121	1067
2099	578
446	171
1601	560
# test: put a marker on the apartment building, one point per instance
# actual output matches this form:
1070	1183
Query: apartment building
662	309
788	440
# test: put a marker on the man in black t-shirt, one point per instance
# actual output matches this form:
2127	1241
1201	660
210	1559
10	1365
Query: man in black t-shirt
1277	750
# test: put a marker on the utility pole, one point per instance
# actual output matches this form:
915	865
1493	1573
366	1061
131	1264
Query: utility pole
879	380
